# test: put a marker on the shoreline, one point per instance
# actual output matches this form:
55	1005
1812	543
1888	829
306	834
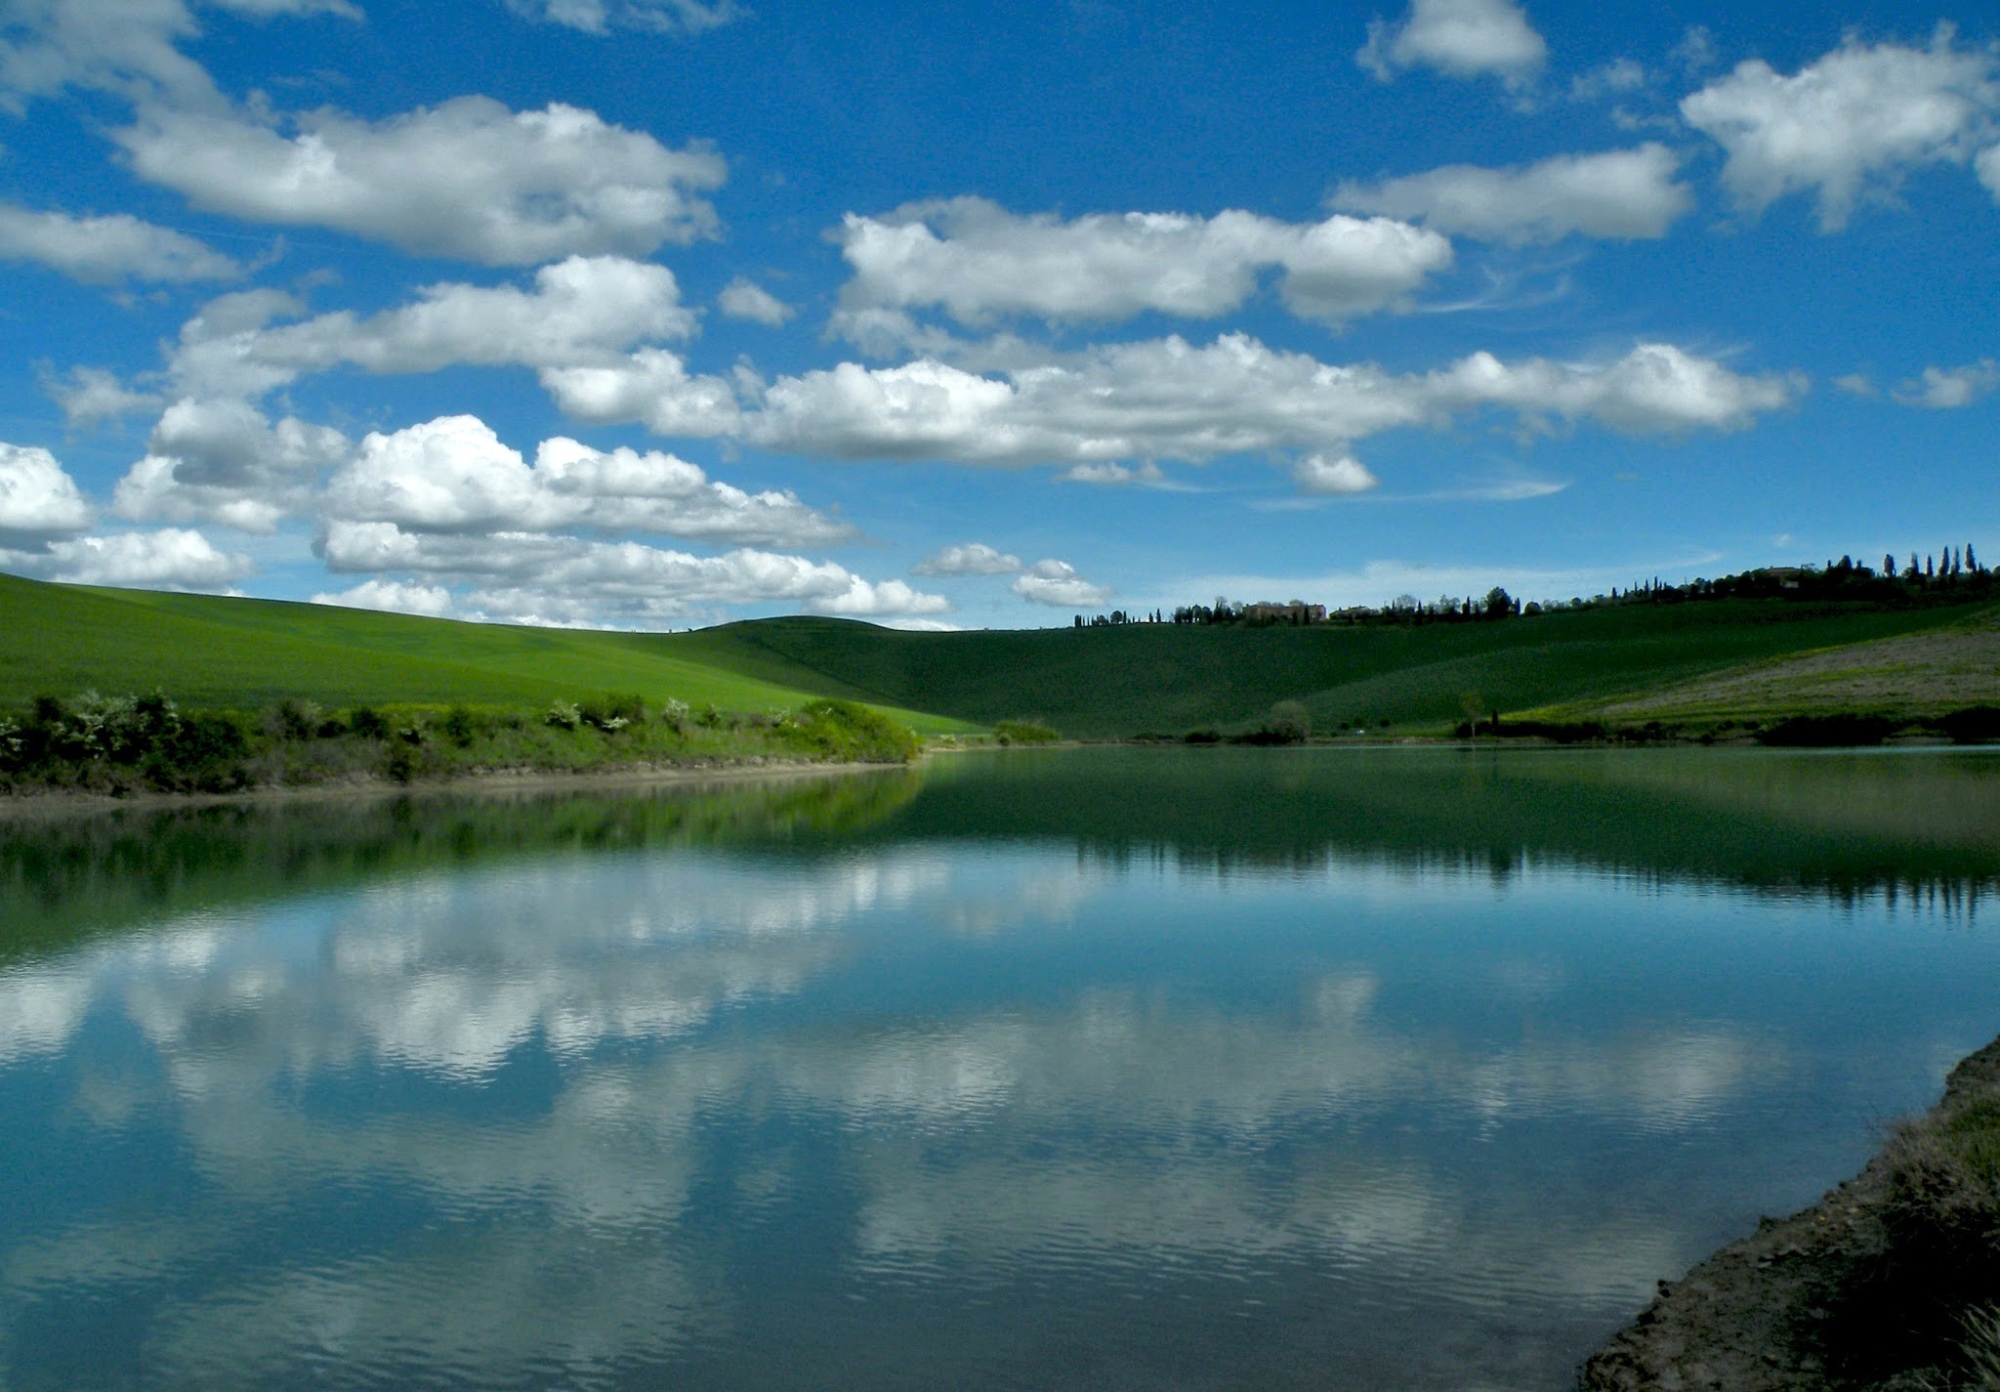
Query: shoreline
1767	1312
31	804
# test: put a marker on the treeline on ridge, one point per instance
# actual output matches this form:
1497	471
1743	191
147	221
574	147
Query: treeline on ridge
1954	576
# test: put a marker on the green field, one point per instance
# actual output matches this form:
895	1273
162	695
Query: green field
1101	682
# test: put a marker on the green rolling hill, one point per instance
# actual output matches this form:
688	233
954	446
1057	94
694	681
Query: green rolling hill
1101	682
1166	678
206	650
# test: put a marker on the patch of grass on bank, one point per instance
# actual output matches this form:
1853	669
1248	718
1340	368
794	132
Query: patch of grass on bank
127	744
1922	1311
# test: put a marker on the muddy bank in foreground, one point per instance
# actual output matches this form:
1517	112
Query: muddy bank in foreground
1887	1282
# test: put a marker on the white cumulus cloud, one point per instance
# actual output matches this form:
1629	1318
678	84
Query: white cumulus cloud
974	558
976	261
453	474
38	498
1460	38
1948	388
170	558
222	460
581	310
650	385
743	299
1115	475
1617	194
529	576
1316	473
1849	125
1988	165
1166	398
1057	583
129	47
468	179
656	16
106	250
88	395
390	597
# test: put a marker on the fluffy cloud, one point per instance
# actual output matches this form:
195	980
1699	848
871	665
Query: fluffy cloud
389	597
1947	388
742	299
106	250
167	559
1848	125
566	579
454	475
1620	193
651	385
976	261
468	179
123	46
38	498
1057	583
1344	474
127	46
1168	399
1461	38
975	558
581	310
658	16
88	395
1988	165
1116	475
223	461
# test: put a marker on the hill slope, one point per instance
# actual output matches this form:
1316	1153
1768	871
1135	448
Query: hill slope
1912	675
210	651
1167	678
1109	681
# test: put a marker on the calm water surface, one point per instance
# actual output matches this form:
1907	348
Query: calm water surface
1083	1069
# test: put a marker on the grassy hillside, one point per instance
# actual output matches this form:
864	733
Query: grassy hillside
1913	675
1123	680
249	653
1753	656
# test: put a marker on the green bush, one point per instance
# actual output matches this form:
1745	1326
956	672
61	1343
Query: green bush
1024	732
847	730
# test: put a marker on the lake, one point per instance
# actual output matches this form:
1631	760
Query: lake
1098	1068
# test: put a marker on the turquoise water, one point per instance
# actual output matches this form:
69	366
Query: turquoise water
1070	1069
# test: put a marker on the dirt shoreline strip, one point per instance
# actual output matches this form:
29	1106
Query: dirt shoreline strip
1752	1318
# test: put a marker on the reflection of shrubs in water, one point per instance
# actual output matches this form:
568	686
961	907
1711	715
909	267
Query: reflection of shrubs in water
65	878
1827	731
1973	725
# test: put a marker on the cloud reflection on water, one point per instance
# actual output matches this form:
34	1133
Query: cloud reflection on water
1123	1127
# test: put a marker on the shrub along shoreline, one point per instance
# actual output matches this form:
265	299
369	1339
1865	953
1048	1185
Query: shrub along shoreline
125	745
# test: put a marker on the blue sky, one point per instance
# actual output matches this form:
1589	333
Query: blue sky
661	312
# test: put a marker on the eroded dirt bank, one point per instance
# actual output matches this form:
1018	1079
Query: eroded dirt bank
1881	1284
